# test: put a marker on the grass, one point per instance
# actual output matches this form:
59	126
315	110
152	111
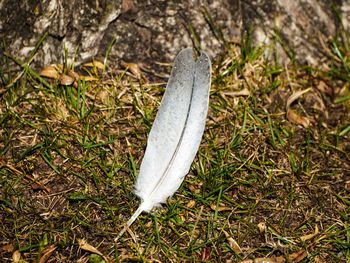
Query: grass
261	185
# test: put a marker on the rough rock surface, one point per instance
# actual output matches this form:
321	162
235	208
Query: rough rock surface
147	32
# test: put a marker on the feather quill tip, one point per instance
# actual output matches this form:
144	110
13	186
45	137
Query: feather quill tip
130	221
121	233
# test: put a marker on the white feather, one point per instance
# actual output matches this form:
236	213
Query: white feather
176	132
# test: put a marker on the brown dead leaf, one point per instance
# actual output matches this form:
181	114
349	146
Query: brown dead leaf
71	78
8	248
38	186
66	80
191	204
220	208
88	78
220	118
292	116
96	64
347	185
60	67
298	256
310	236
133	68
83	244
16	256
317	260
51	72
128	6
130	148
46	253
195	188
74	75
262	227
3	161
233	243
302	253
265	260
322	86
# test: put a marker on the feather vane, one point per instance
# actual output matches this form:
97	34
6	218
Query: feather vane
176	132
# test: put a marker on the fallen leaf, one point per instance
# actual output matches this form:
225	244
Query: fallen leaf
194	188
322	86
233	243
262	227
128	6
96	64
36	184
8	248
317	260
298	256
220	208
347	185
66	80
51	72
56	72
83	244
265	260
16	256
220	118
46	253
292	116
73	74
88	78
302	253
133	68
191	204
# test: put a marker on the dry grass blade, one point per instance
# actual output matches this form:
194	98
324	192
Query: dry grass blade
295	96
233	244
243	92
310	236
